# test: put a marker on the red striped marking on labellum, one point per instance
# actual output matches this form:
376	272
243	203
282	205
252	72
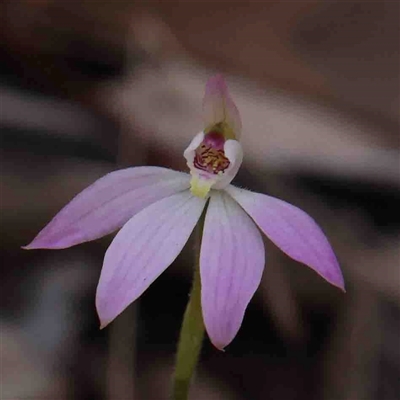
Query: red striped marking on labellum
210	155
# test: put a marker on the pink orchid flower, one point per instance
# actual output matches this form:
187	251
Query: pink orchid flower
158	209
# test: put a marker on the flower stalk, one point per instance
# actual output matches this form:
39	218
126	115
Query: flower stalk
192	330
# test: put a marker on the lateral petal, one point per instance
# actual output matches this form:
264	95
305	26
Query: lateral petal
108	204
293	231
143	249
231	263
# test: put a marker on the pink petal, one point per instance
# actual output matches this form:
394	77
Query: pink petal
108	204
293	231
231	263
143	249
218	105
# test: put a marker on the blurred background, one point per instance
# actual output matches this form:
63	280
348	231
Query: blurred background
87	87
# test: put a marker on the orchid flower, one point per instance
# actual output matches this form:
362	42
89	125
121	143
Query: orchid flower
158	209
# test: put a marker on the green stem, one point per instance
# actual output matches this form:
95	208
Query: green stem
192	331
